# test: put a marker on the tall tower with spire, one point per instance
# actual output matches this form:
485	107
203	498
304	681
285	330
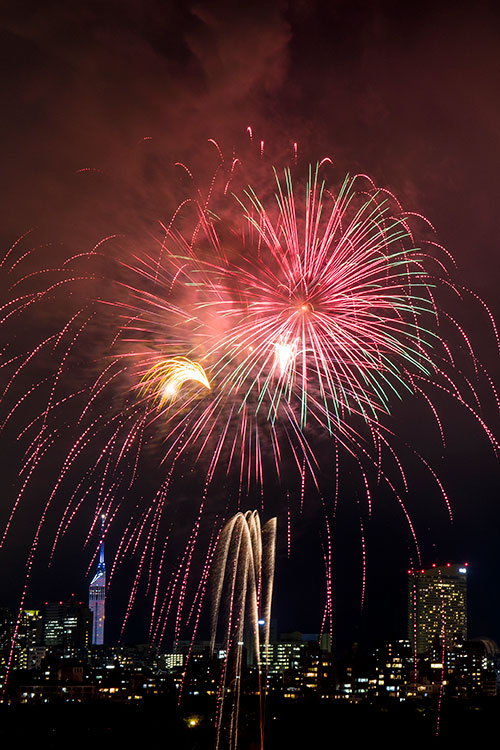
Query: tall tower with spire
97	597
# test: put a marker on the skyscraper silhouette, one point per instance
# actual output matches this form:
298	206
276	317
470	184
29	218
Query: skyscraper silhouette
97	598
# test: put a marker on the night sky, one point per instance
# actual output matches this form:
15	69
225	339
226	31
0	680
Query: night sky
409	96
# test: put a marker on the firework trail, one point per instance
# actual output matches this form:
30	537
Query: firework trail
243	588
262	325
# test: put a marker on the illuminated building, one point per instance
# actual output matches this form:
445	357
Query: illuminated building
171	661
470	669
97	599
393	664
27	651
437	606
67	625
284	655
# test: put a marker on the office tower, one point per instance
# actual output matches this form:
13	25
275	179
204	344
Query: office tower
29	638
67	625
97	599
437	606
27	625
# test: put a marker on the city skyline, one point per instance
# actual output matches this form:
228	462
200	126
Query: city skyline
89	140
436	602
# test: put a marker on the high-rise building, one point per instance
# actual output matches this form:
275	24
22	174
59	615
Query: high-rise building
28	652
97	599
28	627
67	625
437	606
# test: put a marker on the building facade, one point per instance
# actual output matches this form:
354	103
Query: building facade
437	606
67	626
97	600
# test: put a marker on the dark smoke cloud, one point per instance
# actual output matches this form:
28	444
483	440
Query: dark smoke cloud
84	84
406	94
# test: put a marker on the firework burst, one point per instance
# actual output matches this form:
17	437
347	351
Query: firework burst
261	326
165	379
